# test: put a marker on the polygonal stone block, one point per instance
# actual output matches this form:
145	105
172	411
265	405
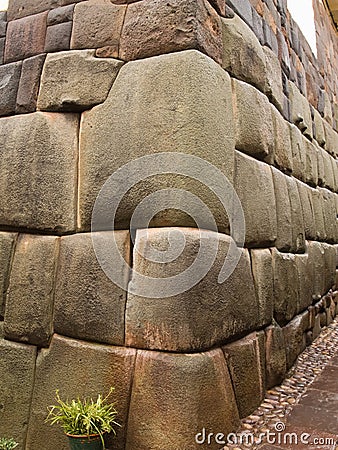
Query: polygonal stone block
295	338
87	303
318	214
319	128
317	262
60	15
275	355
284	241
274	84
7	242
305	276
282	142
331	137
298	232
329	214
298	153
311	166
10	77
329	269
38	171
58	37
16	10
300	110
261	263
29	84
305	195
328	180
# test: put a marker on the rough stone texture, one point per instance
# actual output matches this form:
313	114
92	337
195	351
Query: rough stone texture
284	241
295	339
286	289
329	214
60	15
17	365
305	195
275	355
38	171
243	56
157	27
29	84
3	23
58	37
7	241
2	50
178	103
245	366
16	8
219	5
200	317
328	179
318	214
261	264
78	369
305	275
29	304
9	85
253	121
298	153
87	304
282	142
328	268
311	166
331	139
316	260
97	23
319	128
163	383
274	85
254	187
300	110
298	232
30	32
76	80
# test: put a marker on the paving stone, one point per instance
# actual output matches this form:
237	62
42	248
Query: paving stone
294	336
87	304
30	32
78	369
58	37
298	153
157	27
7	242
275	355
298	232
282	142
305	195
313	419
284	240
29	84
38	171
243	56
29	304
76	80
162	383
274	85
200	316
300	110
17	366
10	77
60	15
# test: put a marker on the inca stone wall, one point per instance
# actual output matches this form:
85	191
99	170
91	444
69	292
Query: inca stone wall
88	86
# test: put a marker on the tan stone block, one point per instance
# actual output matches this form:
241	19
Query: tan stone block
318	213
298	153
305	195
16	10
87	304
311	166
300	110
179	103
329	215
334	163
17	368
319	127
284	240
38	171
274	85
316	261
76	80
283	157
305	277
30	299
157	27
164	382
275	356
295	338
253	120
331	139
320	166
298	232
79	369
254	187
329	179
7	243
329	267
200	315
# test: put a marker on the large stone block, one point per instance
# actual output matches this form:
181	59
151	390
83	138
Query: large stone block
318	214
300	110
283	157
305	195
10	77
77	369
274	84
58	37
331	137
329	214
253	121
328	270
29	84
305	277
261	263
200	315
87	304
311	165
243	56
284	241
319	128
16	9
17	367
60	15
7	242
38	171
295	337
157	27
172	103
317	263
328	179
3	23
245	363
163	383
254	187
30	299
76	80
298	153
30	32
298	232
275	355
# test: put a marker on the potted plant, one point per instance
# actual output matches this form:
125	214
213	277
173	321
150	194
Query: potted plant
86	421
7	444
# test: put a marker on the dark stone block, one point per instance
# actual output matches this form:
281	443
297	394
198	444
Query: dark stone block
29	84
60	15
2	50
270	38
10	77
257	26
243	9
3	23
58	37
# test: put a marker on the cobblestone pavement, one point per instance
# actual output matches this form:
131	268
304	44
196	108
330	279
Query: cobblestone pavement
302	413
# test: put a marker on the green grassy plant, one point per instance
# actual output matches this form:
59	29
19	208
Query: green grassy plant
7	444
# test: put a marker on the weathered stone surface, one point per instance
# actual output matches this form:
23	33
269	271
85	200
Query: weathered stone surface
282	142
2	50
329	214
60	15
97	23
261	263
7	242
157	27
331	139
275	355
328	179
320	167
254	187
298	232
77	369
319	128
220	6
300	110
17	366
3	23
199	317
245	366
30	32
243	56
178	103
298	153
76	80
334	163
274	85
29	84
87	304
38	171
317	262
253	121
58	37
295	338
16	9
284	241
29	304
9	85
318	214
305	277
286	288
328	268
163	383
305	195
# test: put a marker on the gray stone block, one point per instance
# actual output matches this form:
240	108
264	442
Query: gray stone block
306	200
319	128
329	269
274	84
2	50
10	77
317	263
284	241
58	37
261	264
282	142
311	166
300	110
295	338
318	214
329	214
329	179
305	275
331	137
298	153
7	242
275	355
3	23
60	15
29	84
298	232
243	9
